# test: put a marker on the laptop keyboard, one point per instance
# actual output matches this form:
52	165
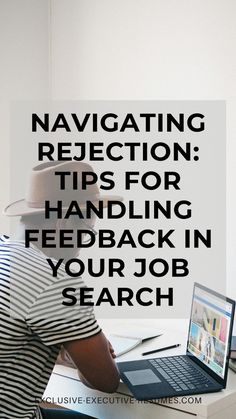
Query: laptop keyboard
180	374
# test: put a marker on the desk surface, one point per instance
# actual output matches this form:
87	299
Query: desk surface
65	383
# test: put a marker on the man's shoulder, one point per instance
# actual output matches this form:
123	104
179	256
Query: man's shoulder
30	258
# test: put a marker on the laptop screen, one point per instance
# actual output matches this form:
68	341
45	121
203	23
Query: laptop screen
209	329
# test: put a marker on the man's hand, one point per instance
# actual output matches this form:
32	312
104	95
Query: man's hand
112	352
65	359
94	359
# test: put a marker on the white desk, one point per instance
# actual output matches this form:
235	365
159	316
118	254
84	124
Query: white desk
64	383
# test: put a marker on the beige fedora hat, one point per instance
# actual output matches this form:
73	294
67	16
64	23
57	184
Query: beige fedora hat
44	185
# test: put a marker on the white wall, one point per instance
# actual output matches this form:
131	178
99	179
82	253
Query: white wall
24	72
151	49
123	49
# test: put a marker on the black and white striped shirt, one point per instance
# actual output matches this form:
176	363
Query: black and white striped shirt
33	325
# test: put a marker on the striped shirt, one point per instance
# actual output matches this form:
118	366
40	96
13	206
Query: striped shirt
33	325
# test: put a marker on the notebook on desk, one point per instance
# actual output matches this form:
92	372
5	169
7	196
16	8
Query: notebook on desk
129	339
204	367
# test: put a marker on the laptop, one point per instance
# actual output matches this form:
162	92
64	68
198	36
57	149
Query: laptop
204	367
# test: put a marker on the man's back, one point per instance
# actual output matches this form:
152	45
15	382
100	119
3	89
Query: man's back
32	327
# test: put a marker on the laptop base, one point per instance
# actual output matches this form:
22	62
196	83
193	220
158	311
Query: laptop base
166	377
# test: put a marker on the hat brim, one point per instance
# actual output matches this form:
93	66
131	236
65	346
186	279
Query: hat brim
19	208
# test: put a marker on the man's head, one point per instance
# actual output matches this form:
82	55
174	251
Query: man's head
54	226
60	181
54	183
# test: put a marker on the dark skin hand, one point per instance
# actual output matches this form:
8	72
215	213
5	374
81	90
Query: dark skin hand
94	359
65	359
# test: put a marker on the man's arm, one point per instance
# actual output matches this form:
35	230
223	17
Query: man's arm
94	359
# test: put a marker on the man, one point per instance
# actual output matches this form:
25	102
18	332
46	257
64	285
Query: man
34	325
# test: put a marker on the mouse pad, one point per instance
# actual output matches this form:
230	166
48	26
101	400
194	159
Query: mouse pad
141	377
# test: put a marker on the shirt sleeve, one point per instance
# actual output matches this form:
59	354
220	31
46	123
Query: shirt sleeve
56	323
